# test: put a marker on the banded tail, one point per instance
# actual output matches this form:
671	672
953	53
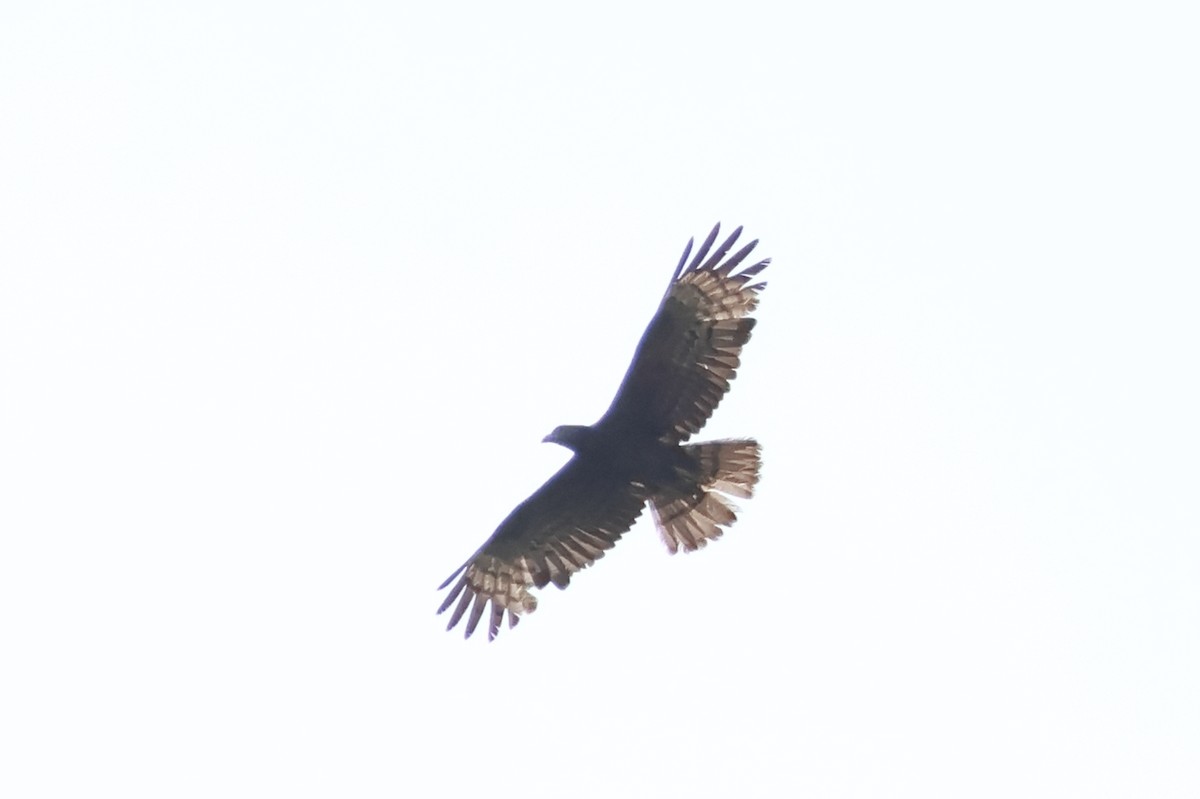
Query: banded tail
692	520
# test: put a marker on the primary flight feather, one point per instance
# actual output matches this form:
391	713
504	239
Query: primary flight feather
636	453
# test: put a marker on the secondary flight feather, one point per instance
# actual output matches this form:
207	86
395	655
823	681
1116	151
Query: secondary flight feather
636	454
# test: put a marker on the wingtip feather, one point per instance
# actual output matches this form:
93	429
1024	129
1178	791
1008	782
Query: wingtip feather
452	595
737	258
720	252
458	611
683	259
704	248
477	608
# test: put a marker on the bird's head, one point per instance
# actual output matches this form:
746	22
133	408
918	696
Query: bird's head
572	436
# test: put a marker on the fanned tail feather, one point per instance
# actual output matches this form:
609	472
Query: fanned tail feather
691	520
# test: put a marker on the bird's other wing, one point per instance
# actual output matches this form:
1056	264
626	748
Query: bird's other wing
565	526
691	348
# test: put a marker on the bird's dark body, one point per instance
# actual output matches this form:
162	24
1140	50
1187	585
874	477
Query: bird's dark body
627	456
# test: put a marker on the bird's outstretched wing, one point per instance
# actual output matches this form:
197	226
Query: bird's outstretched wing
565	526
692	347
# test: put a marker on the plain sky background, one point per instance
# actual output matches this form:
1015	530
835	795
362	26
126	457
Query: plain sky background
290	292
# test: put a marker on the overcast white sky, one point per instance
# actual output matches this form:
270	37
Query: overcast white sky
290	292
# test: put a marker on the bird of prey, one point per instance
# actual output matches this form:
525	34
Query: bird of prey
636	454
